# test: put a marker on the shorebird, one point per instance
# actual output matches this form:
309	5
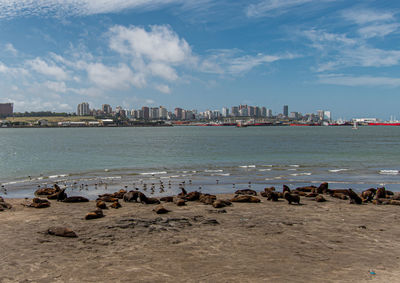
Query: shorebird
190	182
217	182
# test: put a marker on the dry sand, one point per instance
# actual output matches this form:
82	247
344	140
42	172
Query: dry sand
263	242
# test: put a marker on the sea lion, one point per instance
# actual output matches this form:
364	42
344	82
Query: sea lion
146	200
219	203
39	203
46	191
180	202
75	199
131	196
101	204
307	189
381	193
291	198
270	189
338	191
98	213
340	196
323	188
367	195
354	198
167	199
183	193
192	196
311	195
285	189
207	198
159	209
115	205
299	193
246	192
320	198
245	198
61	232
273	196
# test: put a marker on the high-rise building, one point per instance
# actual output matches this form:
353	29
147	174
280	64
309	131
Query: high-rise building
6	109
328	116
225	112
285	110
163	113
251	110
178	113
269	113
243	112
235	111
154	113
263	112
146	112
320	114
83	109
106	108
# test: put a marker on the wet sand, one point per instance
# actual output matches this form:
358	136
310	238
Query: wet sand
332	241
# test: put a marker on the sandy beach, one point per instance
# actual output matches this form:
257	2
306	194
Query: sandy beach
333	241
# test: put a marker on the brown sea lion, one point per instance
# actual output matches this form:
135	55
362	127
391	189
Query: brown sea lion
115	205
285	189
46	191
340	196
101	204
394	202
61	232
367	195
307	189
299	193
183	193
192	196
159	209
207	198
180	202
246	192
338	191
98	213
311	195
291	198
354	198
245	198
75	199
167	199
270	189
381	193
108	198
323	188
131	196
320	198
219	203
39	203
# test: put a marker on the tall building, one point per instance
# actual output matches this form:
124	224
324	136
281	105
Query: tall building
320	114
263	112
178	113
146	112
154	113
251	110
269	113
243	112
106	108
6	109
235	111
285	110
83	109
163	113
328	116
225	112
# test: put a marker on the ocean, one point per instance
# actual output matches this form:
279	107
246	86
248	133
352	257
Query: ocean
90	161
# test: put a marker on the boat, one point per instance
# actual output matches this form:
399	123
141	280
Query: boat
384	124
355	126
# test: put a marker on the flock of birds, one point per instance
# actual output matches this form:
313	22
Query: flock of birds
141	186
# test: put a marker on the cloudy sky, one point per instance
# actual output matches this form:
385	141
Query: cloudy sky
337	55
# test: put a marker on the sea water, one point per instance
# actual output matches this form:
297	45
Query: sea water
214	159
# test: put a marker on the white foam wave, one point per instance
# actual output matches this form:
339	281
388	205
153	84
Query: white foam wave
58	176
301	174
214	171
389	172
294	165
247	166
154	173
221	174
337	170
262	170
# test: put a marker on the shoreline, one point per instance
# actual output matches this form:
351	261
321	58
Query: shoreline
247	242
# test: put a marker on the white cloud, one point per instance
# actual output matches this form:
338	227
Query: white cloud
232	62
120	77
363	16
378	30
163	71
366	81
60	8
277	7
11	49
163	88
59	87
46	69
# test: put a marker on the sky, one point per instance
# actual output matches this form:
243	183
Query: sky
337	55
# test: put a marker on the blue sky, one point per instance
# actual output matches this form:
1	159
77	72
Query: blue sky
336	55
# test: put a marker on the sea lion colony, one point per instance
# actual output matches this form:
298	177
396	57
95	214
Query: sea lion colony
377	196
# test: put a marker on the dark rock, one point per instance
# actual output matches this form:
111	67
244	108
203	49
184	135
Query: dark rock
210	222
61	232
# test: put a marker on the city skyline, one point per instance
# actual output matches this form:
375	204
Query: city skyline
203	54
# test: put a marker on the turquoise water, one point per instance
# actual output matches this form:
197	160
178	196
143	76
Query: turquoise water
264	155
